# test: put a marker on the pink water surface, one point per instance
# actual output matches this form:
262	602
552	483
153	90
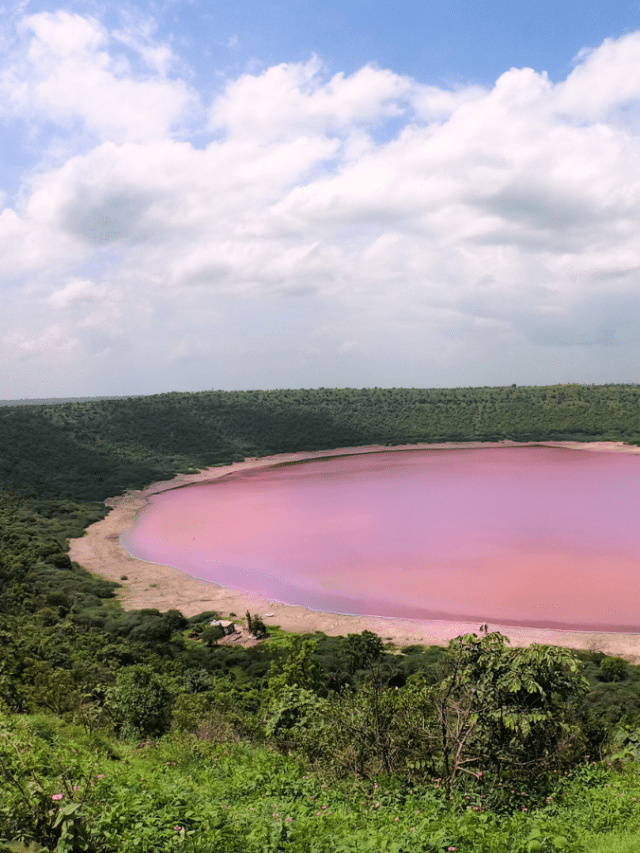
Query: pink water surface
534	536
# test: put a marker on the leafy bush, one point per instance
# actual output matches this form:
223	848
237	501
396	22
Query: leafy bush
143	700
613	669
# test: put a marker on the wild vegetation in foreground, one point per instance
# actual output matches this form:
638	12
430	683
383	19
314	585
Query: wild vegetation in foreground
192	793
142	731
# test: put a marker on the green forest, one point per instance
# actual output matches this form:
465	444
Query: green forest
145	731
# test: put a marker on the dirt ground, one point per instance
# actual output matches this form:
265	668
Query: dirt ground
164	587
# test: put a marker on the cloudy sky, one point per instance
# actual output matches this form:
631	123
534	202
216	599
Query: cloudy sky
306	193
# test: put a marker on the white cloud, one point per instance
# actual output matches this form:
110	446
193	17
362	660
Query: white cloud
74	292
604	80
346	229
291	99
53	337
139	35
66	69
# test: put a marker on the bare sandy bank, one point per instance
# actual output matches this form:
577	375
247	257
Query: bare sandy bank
164	587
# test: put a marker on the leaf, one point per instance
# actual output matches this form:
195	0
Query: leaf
65	812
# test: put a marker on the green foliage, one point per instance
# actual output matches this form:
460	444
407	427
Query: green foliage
613	669
295	666
143	699
195	794
361	651
294	710
255	625
211	634
507	709
370	732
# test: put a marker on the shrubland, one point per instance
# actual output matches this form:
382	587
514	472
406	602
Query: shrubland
143	731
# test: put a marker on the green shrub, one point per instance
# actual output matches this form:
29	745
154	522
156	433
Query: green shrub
613	669
143	699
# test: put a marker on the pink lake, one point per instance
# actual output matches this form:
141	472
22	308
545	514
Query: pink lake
532	536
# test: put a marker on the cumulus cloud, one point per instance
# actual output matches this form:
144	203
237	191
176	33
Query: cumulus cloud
604	84
307	228
66	69
291	99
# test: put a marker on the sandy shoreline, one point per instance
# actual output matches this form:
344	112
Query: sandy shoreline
164	587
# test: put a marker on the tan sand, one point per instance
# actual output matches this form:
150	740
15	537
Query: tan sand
163	587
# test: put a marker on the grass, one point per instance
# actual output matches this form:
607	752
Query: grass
627	842
194	795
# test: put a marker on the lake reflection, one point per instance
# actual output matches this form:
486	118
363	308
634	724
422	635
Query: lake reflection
534	536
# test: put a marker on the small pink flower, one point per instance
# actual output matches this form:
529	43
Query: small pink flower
100	775
178	829
288	818
57	797
397	818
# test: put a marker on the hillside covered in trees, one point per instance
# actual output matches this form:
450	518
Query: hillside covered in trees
445	733
79	450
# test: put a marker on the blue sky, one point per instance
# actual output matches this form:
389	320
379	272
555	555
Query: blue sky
303	194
